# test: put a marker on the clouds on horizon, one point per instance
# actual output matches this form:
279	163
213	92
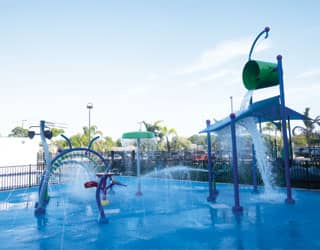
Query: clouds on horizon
223	52
315	72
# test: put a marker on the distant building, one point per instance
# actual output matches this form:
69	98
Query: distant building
18	151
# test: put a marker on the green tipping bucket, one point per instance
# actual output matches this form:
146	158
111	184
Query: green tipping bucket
259	74
138	134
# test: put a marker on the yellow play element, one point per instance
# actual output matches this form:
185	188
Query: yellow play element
104	202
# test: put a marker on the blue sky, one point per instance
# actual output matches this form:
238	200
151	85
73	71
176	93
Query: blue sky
176	61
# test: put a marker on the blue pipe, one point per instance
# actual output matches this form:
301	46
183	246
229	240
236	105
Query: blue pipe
102	184
289	199
92	141
212	187
237	207
266	30
43	188
68	140
43	198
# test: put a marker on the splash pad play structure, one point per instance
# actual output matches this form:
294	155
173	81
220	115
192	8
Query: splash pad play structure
258	75
138	137
84	157
171	214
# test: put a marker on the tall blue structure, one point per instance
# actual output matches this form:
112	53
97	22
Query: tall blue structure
258	75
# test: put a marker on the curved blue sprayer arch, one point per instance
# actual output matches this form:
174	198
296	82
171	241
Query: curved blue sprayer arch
66	157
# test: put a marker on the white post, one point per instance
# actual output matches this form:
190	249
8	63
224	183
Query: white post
138	167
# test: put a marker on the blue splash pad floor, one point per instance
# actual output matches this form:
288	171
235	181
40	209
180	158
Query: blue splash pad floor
170	215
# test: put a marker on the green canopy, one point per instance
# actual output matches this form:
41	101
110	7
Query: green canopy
138	134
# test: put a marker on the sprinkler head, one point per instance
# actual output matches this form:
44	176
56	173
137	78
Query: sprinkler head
279	57
104	202
232	116
267	29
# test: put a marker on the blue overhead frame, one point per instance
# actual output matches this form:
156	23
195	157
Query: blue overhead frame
267	110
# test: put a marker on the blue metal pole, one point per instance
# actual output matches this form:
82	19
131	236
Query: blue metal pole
254	171
237	207
43	189
289	199
45	145
212	187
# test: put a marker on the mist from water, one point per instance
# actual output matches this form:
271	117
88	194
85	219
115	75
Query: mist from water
250	123
260	152
183	171
75	176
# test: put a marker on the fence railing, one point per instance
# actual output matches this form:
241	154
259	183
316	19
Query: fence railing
303	173
12	177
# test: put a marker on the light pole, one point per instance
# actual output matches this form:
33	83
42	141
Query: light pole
89	107
231	104
22	123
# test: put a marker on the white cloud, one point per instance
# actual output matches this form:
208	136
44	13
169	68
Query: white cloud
309	73
139	90
222	53
219	74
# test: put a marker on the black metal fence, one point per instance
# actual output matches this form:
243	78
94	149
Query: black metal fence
12	177
304	173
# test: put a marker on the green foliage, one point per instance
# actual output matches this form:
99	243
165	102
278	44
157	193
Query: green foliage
299	140
118	142
161	133
312	136
154	128
201	140
167	133
19	132
103	144
180	143
56	132
198	139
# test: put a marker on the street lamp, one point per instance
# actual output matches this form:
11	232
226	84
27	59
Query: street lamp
89	107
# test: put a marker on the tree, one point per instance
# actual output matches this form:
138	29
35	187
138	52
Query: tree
93	132
311	136
167	133
180	143
56	132
118	142
201	140
82	140
198	139
103	145
19	132
155	128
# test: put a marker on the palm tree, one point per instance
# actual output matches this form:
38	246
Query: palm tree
155	128
93	132
167	133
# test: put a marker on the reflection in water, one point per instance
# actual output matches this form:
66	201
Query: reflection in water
238	230
42	221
